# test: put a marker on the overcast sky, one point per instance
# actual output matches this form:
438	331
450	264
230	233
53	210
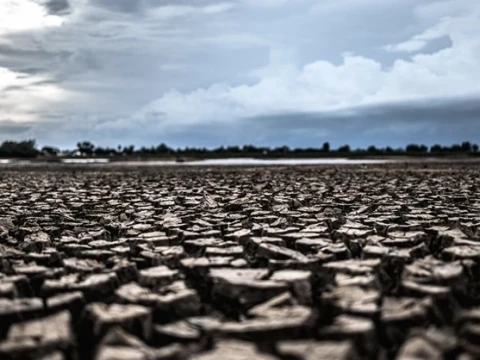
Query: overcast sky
265	72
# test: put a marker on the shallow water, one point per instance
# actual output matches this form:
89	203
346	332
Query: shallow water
85	161
211	162
249	161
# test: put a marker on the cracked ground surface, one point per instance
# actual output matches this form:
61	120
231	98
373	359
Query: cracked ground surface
372	262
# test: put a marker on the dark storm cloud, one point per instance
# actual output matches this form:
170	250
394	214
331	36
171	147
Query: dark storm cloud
128	6
436	45
8	127
434	111
11	88
155	3
394	124
138	6
33	83
30	70
57	7
43	59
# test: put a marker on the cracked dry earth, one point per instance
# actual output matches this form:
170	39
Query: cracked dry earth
240	263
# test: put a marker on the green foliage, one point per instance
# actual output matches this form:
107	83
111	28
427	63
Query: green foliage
27	149
18	149
50	151
326	147
414	149
345	149
85	148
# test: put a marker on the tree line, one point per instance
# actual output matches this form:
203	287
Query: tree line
29	149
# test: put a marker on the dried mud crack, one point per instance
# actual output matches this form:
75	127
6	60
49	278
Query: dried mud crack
379	262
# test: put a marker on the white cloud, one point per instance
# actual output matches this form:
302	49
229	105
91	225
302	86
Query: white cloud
236	40
168	12
23	95
21	15
459	19
218	8
265	3
11	79
438	9
445	27
7	78
411	45
323	86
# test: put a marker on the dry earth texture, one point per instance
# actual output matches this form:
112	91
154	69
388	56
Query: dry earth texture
241	263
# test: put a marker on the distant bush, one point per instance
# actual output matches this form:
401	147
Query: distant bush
28	149
18	149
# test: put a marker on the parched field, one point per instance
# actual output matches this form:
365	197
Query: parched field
352	262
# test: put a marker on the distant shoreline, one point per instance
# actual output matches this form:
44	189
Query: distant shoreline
284	160
200	158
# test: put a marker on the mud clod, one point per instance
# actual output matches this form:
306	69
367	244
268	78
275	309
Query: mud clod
283	263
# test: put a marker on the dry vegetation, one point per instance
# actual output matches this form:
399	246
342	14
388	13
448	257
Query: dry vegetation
241	263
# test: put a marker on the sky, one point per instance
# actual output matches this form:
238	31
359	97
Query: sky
233	72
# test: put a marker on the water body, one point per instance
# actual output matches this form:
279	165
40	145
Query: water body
257	162
86	161
212	162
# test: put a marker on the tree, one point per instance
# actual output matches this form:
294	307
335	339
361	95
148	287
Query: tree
344	149
129	150
326	147
249	149
100	151
163	149
86	148
282	149
50	151
416	149
436	149
233	149
475	148
19	149
455	148
145	151
466	146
